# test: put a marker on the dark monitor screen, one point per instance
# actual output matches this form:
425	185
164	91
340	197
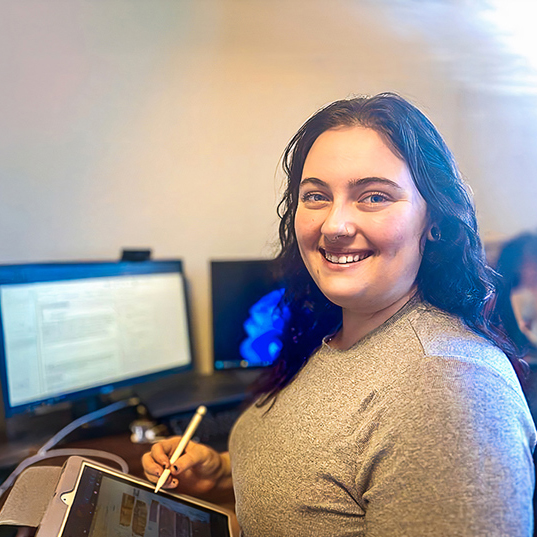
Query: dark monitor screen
70	330
247	322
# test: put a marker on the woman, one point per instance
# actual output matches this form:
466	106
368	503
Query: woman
408	419
517	263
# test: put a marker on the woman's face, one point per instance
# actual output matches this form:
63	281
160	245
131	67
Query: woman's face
360	221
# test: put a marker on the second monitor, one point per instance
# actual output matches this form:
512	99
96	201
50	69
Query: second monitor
247	319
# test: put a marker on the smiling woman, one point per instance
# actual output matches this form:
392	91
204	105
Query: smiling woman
360	225
408	418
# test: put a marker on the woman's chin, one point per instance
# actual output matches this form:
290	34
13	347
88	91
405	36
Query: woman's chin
343	299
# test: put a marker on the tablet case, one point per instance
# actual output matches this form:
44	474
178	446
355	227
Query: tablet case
29	498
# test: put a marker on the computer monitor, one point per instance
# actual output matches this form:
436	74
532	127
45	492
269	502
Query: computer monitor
247	318
70	331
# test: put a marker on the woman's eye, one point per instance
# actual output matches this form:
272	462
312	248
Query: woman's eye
375	198
313	197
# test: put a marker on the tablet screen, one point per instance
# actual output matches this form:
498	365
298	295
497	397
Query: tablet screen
110	505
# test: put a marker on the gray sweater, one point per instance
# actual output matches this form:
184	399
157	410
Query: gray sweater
419	429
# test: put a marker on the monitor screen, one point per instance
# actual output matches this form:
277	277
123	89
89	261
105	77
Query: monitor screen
247	319
69	330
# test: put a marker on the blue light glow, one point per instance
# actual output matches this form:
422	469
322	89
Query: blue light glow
264	328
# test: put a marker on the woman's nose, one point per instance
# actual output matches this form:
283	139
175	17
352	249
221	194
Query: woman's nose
338	224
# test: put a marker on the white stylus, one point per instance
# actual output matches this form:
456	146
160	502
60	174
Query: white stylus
190	430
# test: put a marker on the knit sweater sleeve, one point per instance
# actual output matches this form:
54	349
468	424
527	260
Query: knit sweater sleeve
449	455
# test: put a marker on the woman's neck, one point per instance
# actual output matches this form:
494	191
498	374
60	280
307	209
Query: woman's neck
357	324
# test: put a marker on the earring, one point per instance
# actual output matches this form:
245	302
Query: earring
434	234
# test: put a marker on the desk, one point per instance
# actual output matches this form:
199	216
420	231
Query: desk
170	400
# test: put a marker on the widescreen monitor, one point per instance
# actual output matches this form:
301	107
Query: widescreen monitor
247	318
73	330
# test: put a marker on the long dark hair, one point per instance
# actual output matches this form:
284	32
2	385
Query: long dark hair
453	274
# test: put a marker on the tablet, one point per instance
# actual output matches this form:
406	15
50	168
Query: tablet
92	500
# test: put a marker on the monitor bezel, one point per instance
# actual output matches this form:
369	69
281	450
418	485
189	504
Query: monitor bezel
76	270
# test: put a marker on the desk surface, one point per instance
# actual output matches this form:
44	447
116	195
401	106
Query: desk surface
119	444
29	433
164	399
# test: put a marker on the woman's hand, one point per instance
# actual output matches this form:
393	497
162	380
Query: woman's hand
199	471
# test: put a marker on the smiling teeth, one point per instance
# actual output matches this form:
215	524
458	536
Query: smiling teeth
341	260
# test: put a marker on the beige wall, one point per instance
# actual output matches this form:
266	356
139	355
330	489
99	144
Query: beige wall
160	123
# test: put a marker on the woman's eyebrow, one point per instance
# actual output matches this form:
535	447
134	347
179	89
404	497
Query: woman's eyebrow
353	183
313	181
366	181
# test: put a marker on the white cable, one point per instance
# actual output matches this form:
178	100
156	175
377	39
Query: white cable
86	419
44	451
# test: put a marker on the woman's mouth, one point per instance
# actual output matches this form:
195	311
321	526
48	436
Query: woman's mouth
344	259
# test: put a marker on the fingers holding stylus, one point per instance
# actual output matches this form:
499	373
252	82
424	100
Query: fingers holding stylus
196	471
162	451
181	447
158	459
